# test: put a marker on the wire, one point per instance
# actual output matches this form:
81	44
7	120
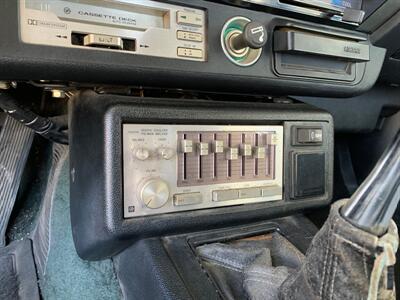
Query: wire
54	129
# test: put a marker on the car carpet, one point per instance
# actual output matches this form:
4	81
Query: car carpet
62	274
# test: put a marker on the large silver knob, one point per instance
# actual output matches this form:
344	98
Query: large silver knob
154	193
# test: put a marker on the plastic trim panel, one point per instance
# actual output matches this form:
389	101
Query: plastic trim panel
98	225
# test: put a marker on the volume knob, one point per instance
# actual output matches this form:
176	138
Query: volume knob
154	193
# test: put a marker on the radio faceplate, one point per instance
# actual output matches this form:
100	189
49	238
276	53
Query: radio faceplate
171	168
134	27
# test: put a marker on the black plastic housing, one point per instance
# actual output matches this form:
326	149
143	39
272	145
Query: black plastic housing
98	225
170	268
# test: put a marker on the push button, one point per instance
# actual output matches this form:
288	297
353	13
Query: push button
189	18
189	36
309	136
102	40
189	52
225	195
249	193
273	190
187	199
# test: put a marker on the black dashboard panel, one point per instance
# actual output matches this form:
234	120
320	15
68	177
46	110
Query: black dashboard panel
101	229
389	39
21	61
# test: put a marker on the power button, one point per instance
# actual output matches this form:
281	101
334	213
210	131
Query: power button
306	136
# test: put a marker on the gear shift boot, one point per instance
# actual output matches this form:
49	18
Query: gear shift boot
251	268
344	262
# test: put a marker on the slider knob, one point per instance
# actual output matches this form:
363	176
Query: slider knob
254	36
154	193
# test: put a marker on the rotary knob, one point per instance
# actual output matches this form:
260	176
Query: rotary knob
166	153
154	193
141	153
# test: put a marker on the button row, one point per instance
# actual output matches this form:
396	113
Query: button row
256	192
232	153
225	195
189	19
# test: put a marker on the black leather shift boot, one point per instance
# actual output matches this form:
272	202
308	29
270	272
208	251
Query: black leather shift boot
344	262
252	268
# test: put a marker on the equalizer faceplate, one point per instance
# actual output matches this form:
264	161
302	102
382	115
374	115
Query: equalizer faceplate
171	168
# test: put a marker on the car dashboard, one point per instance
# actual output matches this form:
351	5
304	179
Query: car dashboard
188	123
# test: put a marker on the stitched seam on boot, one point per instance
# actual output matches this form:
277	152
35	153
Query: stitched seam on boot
327	279
323	269
359	247
365	265
335	263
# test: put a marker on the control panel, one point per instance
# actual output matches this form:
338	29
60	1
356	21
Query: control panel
136	27
190	45
171	168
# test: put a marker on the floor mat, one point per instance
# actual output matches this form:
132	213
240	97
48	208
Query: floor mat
31	192
17	272
15	143
62	274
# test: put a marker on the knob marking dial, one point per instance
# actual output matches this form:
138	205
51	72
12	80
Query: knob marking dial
154	193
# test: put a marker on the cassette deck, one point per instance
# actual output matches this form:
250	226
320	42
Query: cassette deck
136	27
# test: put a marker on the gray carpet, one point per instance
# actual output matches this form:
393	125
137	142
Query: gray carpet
62	274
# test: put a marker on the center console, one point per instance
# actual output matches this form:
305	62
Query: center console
170	267
144	167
